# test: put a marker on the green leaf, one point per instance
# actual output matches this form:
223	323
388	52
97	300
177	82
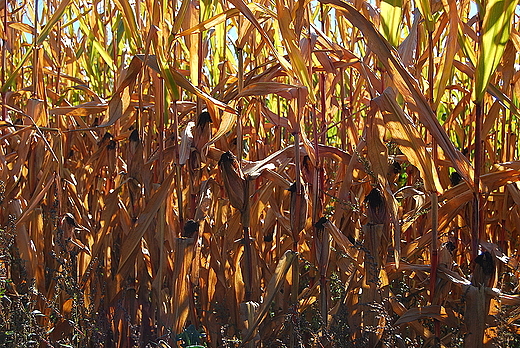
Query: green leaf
290	42
15	72
130	21
191	337
103	53
179	18
424	7
391	16
496	29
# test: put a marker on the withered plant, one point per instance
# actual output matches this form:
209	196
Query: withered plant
278	173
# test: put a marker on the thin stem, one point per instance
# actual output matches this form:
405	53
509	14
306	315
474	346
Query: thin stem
434	253
430	68
247	246
477	200
161	113
35	52
240	57
4	62
296	231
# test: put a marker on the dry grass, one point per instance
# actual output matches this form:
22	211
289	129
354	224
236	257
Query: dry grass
271	174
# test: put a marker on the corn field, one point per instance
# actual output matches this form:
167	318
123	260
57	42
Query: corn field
278	173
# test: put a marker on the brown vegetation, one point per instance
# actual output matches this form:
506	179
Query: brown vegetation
268	174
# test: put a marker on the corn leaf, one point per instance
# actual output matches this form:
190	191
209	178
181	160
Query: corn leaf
496	29
391	15
133	240
275	283
406	85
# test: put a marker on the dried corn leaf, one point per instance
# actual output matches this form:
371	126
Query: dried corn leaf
227	122
405	134
434	312
264	88
377	150
400	309
407	86
275	283
246	11
133	240
118	107
182	82
35	200
22	27
85	109
211	22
